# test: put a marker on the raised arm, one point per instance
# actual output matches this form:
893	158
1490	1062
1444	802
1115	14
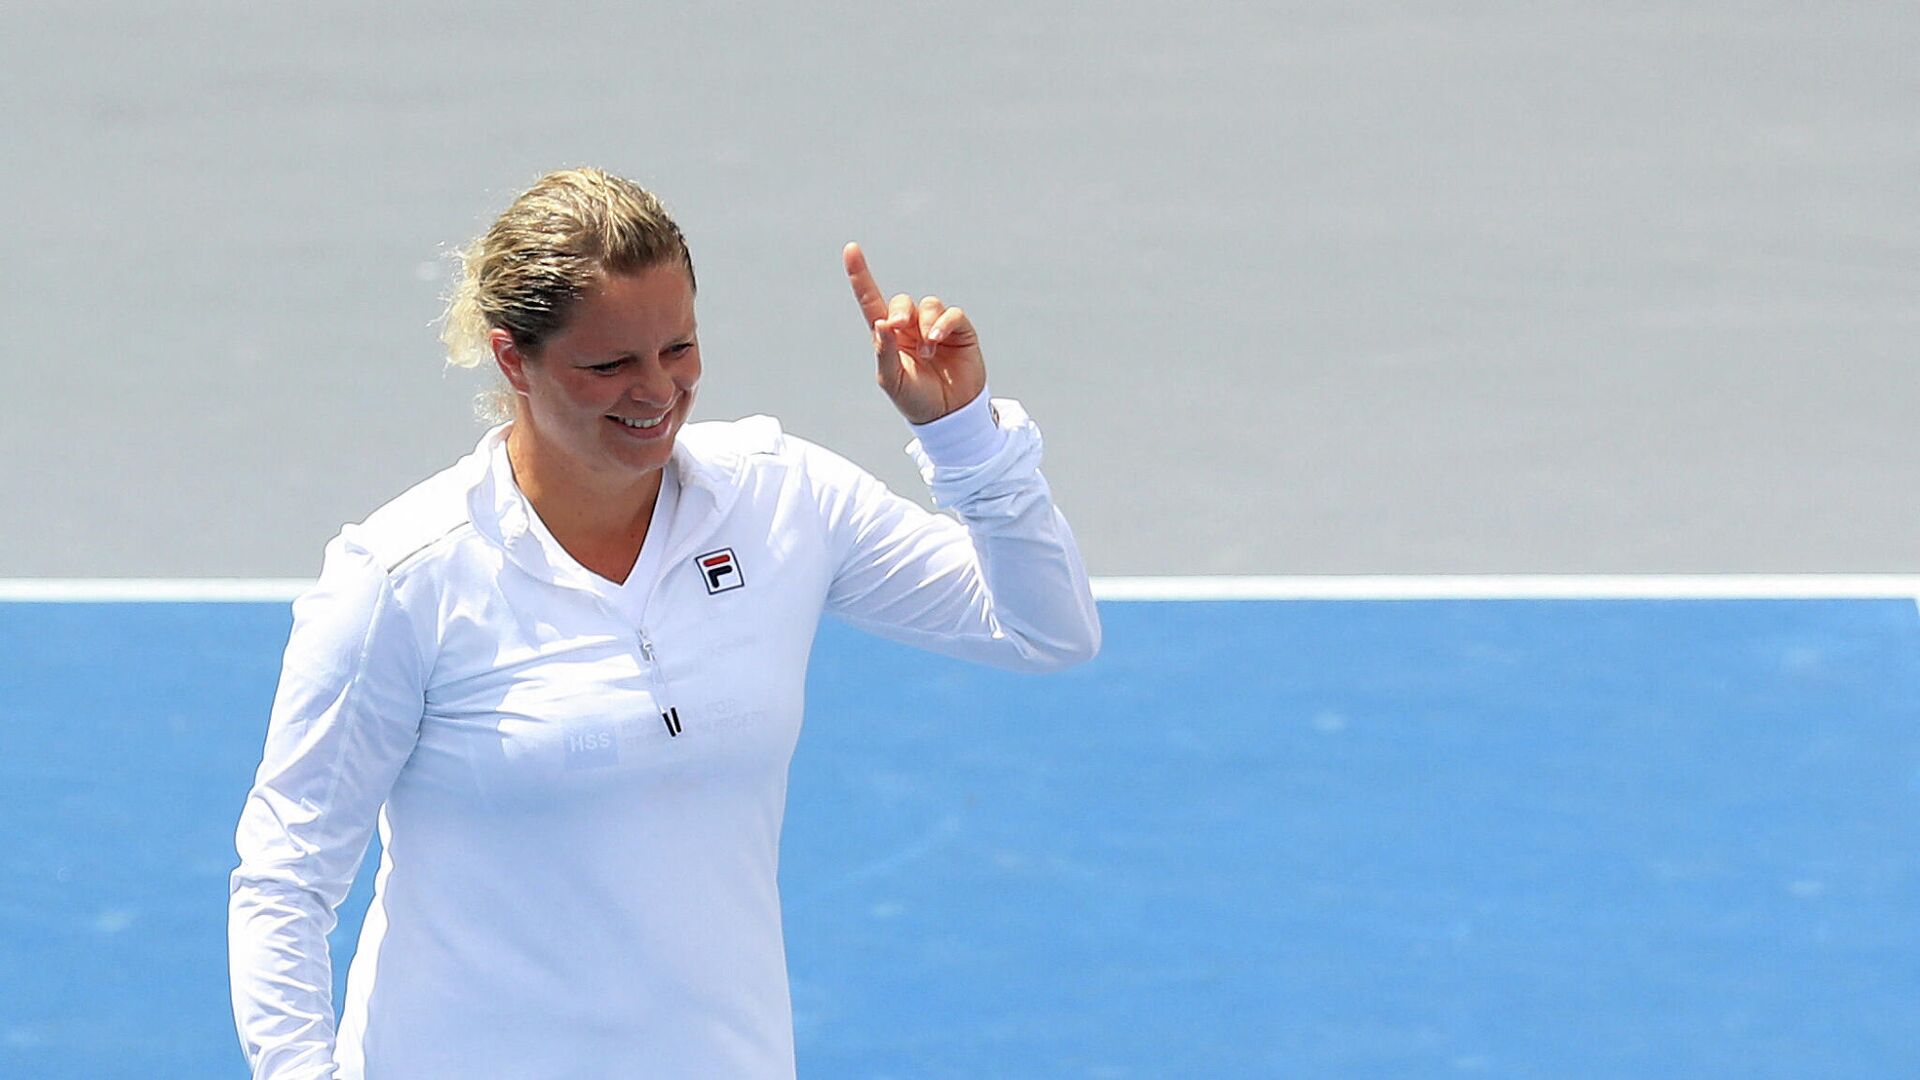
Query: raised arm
1005	584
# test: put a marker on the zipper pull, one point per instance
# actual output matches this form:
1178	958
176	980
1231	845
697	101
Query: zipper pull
669	715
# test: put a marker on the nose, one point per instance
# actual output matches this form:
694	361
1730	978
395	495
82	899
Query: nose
652	386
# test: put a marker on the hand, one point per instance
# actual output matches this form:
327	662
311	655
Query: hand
928	355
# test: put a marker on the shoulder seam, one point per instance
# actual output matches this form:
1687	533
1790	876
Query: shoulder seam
394	566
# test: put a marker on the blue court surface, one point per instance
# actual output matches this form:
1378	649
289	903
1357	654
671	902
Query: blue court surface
1555	839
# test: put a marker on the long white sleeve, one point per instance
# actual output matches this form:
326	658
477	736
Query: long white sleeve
344	720
1006	588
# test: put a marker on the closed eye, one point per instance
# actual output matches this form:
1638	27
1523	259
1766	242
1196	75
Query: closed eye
611	366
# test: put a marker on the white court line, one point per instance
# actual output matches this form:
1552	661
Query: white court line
1351	587
1516	587
150	590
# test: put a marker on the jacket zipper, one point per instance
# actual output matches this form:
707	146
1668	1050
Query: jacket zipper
669	715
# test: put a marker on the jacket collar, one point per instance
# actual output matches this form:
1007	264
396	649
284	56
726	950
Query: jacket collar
709	473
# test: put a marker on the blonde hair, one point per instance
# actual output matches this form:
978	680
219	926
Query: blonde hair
541	254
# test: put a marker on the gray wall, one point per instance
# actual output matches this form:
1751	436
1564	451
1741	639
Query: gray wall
1300	288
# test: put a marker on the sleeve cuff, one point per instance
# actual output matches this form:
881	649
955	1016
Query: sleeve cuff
969	435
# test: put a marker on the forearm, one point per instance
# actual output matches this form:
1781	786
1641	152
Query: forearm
281	975
1035	582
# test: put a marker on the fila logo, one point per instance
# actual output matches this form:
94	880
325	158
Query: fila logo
671	718
720	570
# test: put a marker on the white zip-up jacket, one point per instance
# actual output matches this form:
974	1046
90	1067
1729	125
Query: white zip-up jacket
579	785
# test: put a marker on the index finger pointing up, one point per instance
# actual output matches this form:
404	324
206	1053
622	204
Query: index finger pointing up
873	304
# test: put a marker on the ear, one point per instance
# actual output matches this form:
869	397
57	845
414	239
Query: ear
511	360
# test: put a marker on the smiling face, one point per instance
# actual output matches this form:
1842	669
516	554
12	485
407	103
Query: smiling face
605	396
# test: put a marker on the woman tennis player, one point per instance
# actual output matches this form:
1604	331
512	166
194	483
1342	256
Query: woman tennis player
564	676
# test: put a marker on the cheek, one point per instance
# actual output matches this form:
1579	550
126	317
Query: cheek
580	400
576	396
